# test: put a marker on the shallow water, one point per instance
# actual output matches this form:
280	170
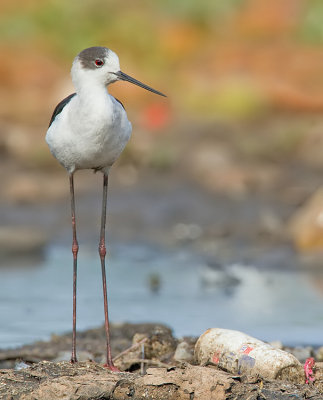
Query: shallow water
270	304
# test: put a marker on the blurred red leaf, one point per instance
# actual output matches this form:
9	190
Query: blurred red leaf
155	116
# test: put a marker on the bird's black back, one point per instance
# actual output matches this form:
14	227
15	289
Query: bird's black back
60	106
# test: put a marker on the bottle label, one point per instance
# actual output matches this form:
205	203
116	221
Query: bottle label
245	363
246	349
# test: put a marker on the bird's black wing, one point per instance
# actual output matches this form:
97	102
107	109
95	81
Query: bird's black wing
60	106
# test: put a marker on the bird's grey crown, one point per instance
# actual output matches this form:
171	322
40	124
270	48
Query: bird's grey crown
88	56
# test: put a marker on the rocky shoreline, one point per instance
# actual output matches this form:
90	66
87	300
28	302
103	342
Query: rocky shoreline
153	364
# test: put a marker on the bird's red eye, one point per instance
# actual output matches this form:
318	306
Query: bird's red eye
99	62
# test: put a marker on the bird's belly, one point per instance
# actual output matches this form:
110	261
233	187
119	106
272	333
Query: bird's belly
102	149
90	148
100	153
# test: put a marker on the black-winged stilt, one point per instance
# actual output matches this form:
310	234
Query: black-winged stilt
88	130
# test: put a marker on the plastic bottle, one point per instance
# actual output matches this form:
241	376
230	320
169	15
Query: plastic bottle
239	353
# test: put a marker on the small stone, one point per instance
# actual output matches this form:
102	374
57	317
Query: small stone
154	282
319	354
306	225
184	352
138	337
277	344
161	343
21	365
302	353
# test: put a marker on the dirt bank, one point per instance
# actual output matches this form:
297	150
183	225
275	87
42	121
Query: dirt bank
88	380
157	371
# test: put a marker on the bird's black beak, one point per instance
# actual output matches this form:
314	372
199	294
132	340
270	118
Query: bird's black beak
124	77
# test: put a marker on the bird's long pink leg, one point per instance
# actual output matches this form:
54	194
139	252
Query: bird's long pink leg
102	252
75	249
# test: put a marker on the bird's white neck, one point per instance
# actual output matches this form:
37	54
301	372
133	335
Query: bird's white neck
92	107
91	89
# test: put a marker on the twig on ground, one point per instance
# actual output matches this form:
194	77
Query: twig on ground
134	346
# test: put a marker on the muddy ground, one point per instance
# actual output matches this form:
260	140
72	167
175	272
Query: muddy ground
39	371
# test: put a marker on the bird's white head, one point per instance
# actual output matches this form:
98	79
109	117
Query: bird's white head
96	65
100	66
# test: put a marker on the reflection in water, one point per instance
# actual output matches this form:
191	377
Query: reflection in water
146	284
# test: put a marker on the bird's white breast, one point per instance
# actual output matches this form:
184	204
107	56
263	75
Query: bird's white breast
90	132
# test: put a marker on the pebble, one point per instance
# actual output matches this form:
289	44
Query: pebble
306	225
301	353
277	344
184	352
319	354
21	365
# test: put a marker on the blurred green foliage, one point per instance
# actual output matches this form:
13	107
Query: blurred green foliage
74	25
233	98
311	27
211	56
203	12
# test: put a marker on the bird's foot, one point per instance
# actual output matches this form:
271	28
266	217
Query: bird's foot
111	367
73	360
